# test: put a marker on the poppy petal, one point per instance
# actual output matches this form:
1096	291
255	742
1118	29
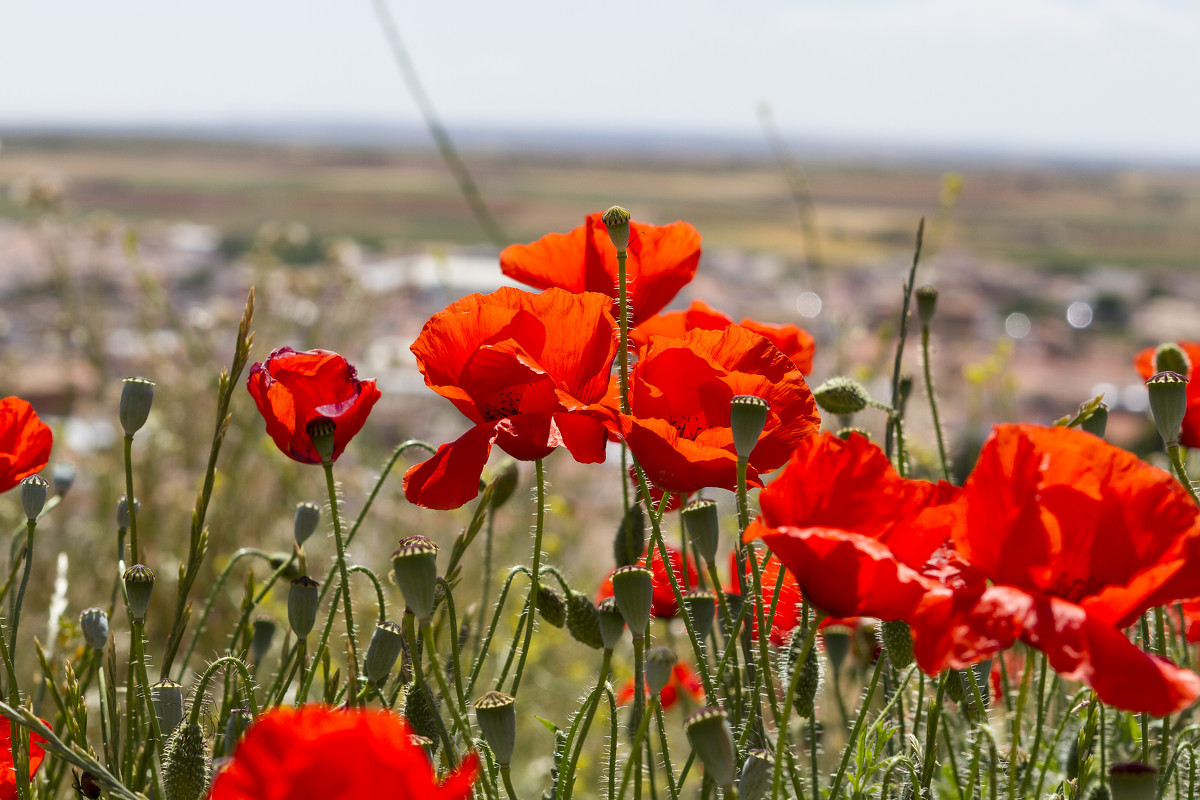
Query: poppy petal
450	477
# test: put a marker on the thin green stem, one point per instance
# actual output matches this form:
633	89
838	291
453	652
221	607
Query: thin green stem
1041	718
623	323
858	723
211	600
133	540
456	702
531	603
904	314
423	685
341	562
30	527
931	726
567	776
156	739
933	407
636	747
1175	456
788	702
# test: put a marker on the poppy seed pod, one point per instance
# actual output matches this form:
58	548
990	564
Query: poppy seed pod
321	432
1135	781
167	697
137	395
703	527
123	511
896	638
583	621
660	664
235	727
302	605
551	605
809	682
260	640
927	297
841	396
308	517
422	716
712	741
94	624
139	585
1168	404
63	477
633	589
1097	422
386	643
186	764
747	418
1170	357
701	607
416	574
837	644
33	496
612	624
616	220
755	780
496	713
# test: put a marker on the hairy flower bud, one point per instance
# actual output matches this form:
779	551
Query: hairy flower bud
896	638
186	764
1170	357
551	605
841	396
583	621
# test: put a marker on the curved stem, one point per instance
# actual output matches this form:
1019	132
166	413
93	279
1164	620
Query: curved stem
540	476
202	687
341	562
211	599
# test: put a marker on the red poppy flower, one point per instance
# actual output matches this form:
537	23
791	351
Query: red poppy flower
318	751
1080	538
794	342
680	394
1189	434
8	778
24	442
684	680
859	539
293	390
661	260
663	605
528	369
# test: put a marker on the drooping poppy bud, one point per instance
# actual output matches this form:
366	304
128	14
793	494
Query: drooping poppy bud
186	764
551	605
583	621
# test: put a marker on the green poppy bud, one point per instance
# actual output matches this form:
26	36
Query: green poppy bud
616	219
167	697
186	764
733	601
137	395
505	482
263	632
1168	404
700	520
747	418
583	621
633	588
416	574
660	665
841	396
304	525
384	648
712	741
896	638
1170	357
809	682
421	715
551	605
612	624
94	623
302	605
235	727
1097	422
496	713
630	541
927	297
139	585
837	644
33	496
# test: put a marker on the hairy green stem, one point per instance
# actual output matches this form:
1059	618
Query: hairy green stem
531	603
347	604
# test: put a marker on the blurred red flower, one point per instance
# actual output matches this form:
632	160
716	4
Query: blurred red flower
680	394
318	751
859	539
8	778
529	370
683	680
663	605
24	442
787	610
661	260
1189	434
794	342
1079	539
294	389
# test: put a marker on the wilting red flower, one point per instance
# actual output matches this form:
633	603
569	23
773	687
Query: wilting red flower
1079	538
663	606
683	679
859	539
8	778
318	751
528	369
661	260
1189	434
24	442
794	342
680	394
293	390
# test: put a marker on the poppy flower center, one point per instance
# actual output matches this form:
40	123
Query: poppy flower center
500	405
689	426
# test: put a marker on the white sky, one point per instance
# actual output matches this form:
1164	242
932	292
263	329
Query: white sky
1074	77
